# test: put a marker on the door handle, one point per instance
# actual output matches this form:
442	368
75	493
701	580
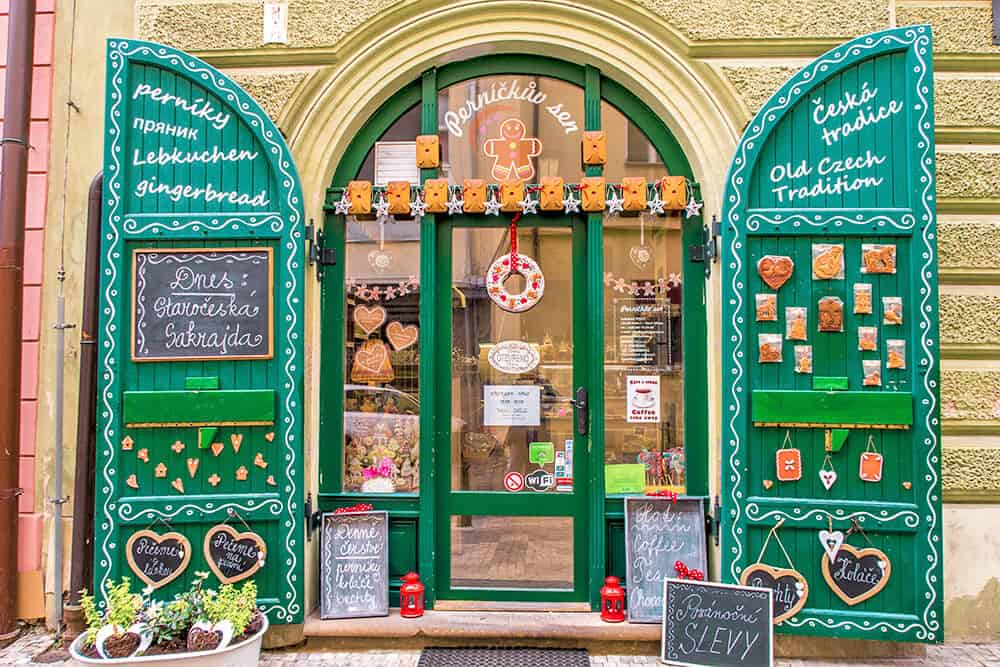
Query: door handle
582	411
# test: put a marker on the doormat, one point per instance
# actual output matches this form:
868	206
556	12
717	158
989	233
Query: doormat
503	657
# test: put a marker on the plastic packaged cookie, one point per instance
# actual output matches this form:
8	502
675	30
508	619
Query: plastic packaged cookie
878	258
803	359
868	338
896	353
862	299
892	310
767	307
770	348
831	314
828	261
795	323
872	369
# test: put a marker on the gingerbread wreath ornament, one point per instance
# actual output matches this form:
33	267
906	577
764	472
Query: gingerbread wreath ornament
506	266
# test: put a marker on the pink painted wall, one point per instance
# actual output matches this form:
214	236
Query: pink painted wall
30	522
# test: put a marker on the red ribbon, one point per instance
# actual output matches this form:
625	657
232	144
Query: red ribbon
513	241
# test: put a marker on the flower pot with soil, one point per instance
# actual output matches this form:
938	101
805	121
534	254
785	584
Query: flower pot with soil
198	627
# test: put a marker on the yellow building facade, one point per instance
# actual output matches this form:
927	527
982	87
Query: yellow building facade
705	68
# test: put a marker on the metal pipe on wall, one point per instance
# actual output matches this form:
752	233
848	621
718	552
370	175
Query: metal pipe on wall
13	190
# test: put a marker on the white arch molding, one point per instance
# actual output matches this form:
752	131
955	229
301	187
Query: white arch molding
634	47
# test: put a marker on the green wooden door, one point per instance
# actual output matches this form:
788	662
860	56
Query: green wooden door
513	489
200	404
831	190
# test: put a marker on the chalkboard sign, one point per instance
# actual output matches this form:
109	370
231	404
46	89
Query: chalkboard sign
658	533
354	565
717	625
202	304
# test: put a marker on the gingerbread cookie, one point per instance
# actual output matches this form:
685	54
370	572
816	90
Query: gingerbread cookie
828	261
831	314
767	307
876	258
775	270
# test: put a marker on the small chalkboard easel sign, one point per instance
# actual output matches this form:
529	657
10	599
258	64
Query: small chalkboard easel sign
716	625
354	565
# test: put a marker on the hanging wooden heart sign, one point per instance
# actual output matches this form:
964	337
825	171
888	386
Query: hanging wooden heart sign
857	574
790	588
401	337
157	559
233	556
369	319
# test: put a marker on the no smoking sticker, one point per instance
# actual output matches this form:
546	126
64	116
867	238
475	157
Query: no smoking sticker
513	481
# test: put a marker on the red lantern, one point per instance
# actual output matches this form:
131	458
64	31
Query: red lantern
411	596
612	601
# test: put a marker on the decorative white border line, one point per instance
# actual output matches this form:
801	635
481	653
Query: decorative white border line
250	112
906	222
910	518
918	40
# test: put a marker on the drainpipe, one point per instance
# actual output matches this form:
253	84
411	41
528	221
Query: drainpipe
13	188
81	574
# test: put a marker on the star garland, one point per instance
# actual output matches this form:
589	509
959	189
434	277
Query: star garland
363	291
644	288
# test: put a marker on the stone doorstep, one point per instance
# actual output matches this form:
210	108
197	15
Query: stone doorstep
553	629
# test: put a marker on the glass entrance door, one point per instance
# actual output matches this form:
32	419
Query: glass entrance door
512	464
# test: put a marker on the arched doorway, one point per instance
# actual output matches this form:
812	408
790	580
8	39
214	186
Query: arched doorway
624	299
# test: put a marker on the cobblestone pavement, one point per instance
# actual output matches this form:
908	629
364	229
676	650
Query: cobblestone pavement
35	642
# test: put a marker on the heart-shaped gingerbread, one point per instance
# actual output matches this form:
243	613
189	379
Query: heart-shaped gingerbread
178	485
192	466
237	441
269	436
217	448
371	363
775	270
401	337
790	588
369	318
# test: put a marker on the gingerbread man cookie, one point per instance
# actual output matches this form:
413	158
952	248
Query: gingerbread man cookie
512	152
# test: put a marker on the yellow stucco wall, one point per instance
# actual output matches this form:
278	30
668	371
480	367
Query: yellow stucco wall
706	67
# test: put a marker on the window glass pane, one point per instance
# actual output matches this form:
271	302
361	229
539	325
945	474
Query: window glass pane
524	552
511	126
497	416
643	358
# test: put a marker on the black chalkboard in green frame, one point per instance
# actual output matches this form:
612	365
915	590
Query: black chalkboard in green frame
202	424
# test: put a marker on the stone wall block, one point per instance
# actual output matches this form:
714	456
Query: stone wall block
969	245
975	175
970	395
957	28
966	469
271	90
965	102
970	319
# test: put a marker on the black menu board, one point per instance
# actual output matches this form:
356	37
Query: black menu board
354	565
202	303
716	625
658	533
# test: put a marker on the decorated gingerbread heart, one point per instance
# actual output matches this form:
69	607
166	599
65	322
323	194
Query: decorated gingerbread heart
401	337
369	318
775	270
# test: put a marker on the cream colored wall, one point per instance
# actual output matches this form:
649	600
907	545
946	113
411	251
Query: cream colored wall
704	67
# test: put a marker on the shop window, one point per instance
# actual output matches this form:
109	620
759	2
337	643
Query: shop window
643	358
511	126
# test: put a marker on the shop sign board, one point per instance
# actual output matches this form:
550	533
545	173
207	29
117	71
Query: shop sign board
514	357
354	565
200	334
642	399
202	304
658	533
512	405
716	625
829	215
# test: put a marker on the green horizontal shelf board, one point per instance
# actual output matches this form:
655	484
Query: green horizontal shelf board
231	405
821	383
839	407
201	382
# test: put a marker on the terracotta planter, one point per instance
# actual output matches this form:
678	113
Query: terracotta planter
245	653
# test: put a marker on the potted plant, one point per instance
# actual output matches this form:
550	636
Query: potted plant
197	627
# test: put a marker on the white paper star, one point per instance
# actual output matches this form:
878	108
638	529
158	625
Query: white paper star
342	207
417	207
455	205
571	204
693	208
615	205
655	204
381	209
492	206
529	205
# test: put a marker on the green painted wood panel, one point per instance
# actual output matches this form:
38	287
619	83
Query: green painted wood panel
842	154
191	161
207	407
833	407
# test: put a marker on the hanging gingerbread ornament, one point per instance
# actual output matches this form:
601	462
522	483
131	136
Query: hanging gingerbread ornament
870	467
788	461
827	475
506	266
